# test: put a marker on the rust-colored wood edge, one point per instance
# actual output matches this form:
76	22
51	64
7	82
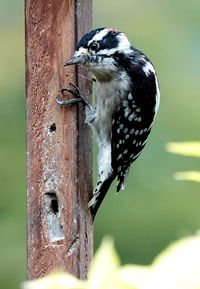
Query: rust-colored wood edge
59	144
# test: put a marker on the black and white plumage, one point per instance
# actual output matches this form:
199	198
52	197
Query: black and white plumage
127	100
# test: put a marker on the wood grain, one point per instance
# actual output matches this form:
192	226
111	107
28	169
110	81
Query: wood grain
59	144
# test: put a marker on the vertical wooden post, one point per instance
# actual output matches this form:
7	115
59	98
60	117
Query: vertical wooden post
59	145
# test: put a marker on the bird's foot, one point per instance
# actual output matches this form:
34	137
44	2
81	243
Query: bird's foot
75	92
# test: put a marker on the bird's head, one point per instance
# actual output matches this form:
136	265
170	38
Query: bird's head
96	51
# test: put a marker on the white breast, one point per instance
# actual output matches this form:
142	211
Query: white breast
108	97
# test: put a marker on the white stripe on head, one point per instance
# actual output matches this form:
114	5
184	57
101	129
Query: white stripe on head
124	45
81	51
99	35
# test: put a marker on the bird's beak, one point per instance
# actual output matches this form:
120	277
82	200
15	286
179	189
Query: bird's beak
80	56
73	60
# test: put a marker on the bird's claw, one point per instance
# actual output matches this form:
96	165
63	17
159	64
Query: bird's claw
75	92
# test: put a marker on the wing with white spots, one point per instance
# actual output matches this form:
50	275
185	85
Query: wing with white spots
130	130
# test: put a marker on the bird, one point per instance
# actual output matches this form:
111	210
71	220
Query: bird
127	101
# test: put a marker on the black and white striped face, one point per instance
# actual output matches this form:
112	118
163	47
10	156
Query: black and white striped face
95	50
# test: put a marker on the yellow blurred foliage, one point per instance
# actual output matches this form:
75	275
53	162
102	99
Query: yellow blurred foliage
193	176
191	148
177	267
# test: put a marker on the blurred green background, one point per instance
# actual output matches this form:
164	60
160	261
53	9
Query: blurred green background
154	209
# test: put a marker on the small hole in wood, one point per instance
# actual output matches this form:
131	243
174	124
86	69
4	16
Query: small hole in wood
52	127
52	209
54	206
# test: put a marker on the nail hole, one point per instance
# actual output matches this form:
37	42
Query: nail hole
52	127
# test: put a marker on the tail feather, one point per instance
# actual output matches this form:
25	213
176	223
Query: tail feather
99	195
125	178
121	178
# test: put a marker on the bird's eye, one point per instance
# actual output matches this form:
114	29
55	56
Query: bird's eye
94	46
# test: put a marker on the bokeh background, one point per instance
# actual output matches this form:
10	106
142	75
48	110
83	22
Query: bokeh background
154	209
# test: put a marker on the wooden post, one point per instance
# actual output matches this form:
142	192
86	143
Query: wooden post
59	144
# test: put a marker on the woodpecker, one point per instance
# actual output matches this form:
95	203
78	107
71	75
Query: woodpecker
127	101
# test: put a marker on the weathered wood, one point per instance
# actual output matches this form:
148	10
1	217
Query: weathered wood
59	144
